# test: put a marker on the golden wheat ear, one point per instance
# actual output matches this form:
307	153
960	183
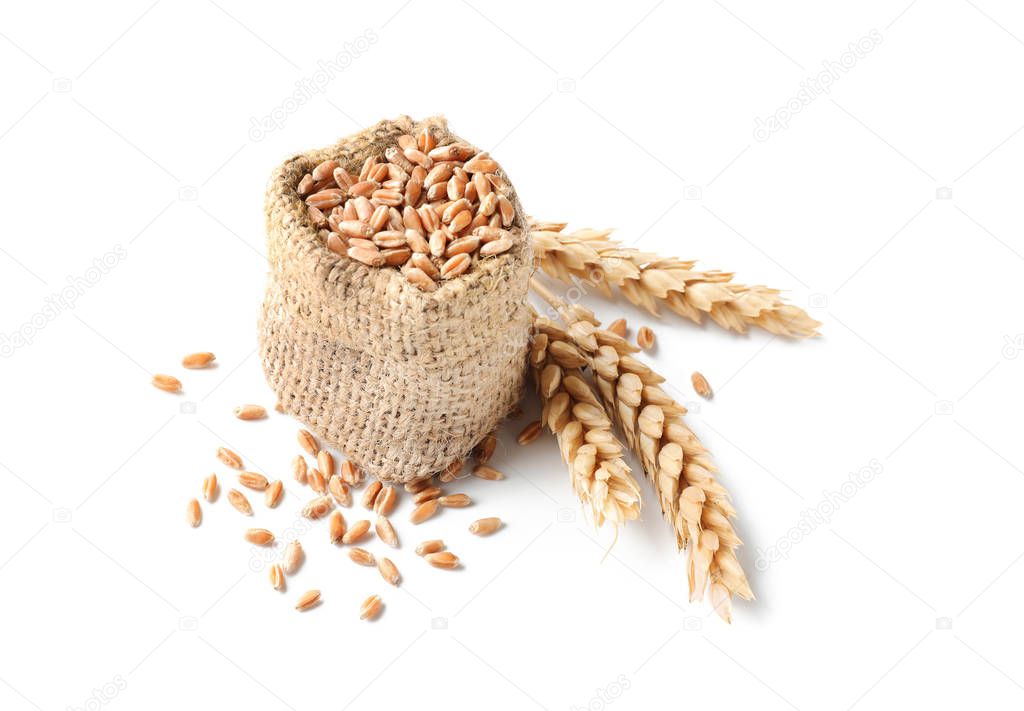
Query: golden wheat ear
600	477
692	500
650	281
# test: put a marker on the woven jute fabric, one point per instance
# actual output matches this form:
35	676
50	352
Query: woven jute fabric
404	382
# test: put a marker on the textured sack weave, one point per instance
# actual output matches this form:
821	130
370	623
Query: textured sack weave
404	382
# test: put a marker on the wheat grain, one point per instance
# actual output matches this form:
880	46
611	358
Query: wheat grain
318	507
194	514
371	493
362	556
308	600
370	608
485	526
386	532
299	469
210	487
385	502
340	491
198	360
237	499
336	527
388	571
482	471
455	501
424	511
292	558
427	494
530	433
272	495
250	412
356	532
325	463
350	473
229	458
649	281
308	442
428	547
443	559
316	481
259	536
701	385
167	383
252	480
645	338
412	189
276	577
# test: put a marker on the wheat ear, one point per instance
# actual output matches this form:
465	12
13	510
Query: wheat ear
692	500
648	280
601	478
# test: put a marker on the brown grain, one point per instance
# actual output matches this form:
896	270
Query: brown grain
276	577
250	412
356	532
340	491
427	547
167	383
210	487
292	558
371	493
299	469
530	432
485	526
272	496
336	527
229	458
618	327
198	360
385	502
386	532
308	442
424	511
455	501
252	480
482	471
259	536
194	514
362	556
701	385
318	507
388	571
308	600
443	559
237	499
325	463
370	608
645	338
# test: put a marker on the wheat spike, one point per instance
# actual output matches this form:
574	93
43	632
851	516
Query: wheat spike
692	500
600	477
648	280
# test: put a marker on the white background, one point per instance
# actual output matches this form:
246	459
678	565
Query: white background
126	126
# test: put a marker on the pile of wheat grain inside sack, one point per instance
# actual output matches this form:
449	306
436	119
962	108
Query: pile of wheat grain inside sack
396	326
395	322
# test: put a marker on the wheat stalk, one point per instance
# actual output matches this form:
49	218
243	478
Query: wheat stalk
600	477
680	468
648	280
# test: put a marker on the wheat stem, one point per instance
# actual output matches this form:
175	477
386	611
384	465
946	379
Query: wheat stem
648	280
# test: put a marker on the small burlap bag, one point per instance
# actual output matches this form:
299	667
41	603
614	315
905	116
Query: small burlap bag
404	382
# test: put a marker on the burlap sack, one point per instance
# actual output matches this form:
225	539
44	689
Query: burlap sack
402	381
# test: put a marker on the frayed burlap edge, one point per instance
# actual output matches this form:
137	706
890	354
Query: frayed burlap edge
402	381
